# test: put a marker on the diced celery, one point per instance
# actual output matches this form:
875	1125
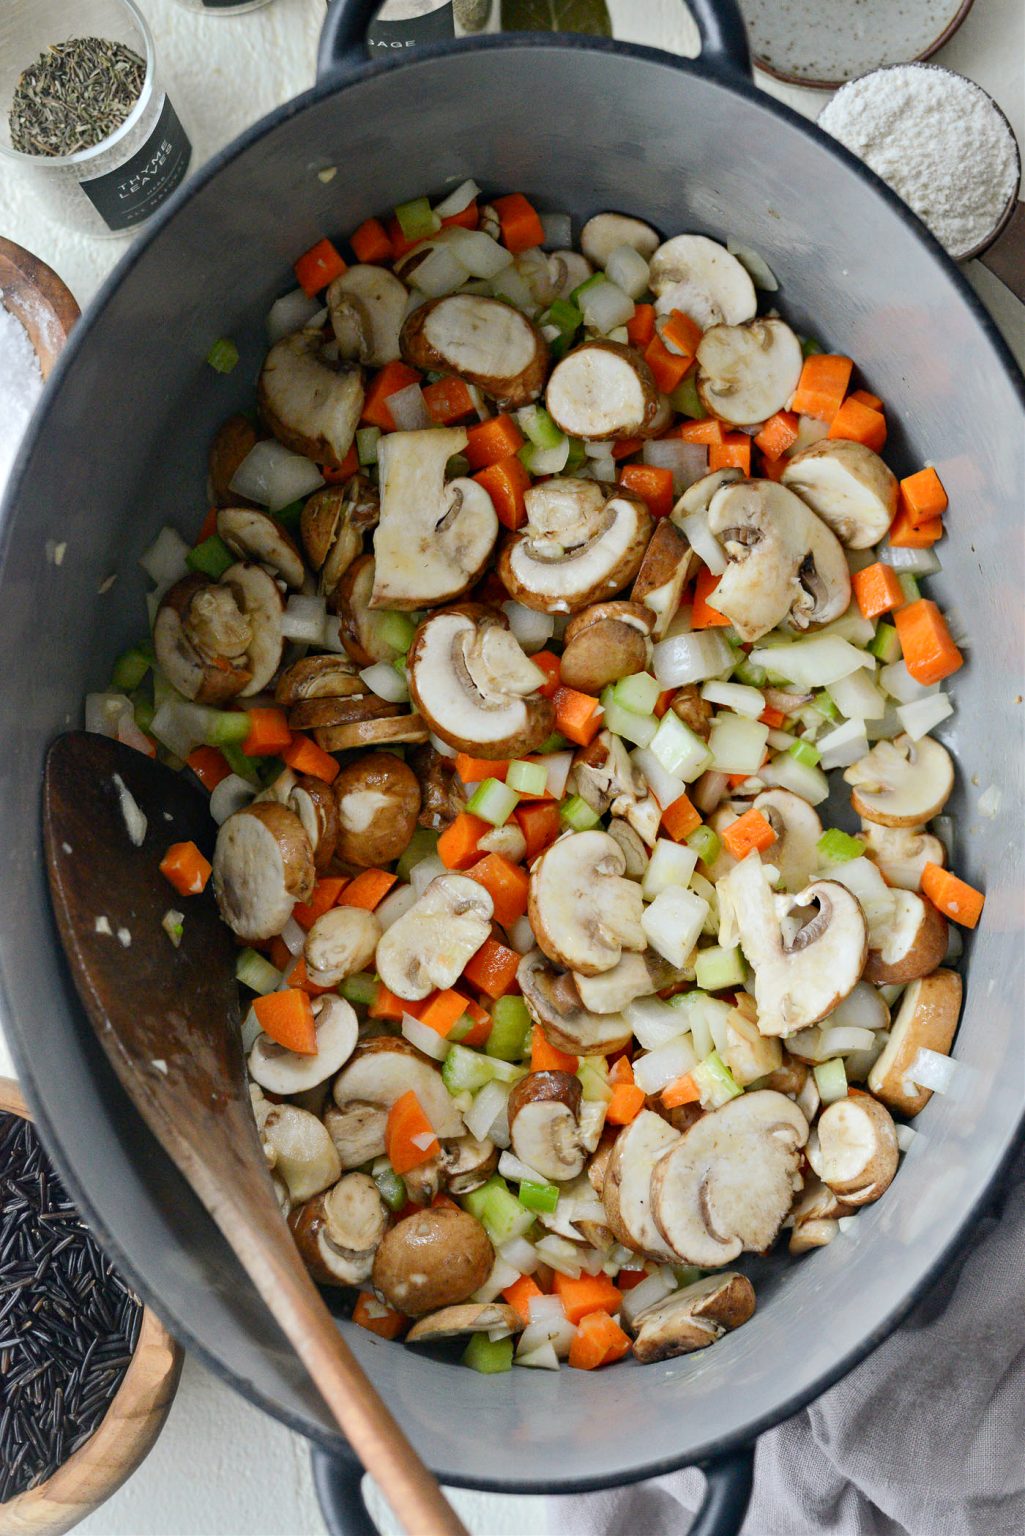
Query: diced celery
211	558
577	455
556	742
256	973
594	281
640	729
810	347
539	1197
366	444
831	1080
394	629
737	744
360	988
131	667
527	778
705	843
837	847
909	586
539	427
638	693
804	752
716	1081
670	864
578	815
595	1087
885	644
392	1188
223	355
564	314
745	671
227	728
417	218
290	517
686	400
142	709
717	968
822	700
679	749
509	1039
246	767
488	1357
498	1210
493	801
421	845
466	1070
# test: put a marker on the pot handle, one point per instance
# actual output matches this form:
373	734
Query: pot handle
729	1479
724	49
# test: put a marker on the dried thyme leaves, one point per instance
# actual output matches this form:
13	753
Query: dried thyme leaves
76	94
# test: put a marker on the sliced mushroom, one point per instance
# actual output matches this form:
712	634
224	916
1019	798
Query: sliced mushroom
728	1183
258	597
434	538
436	1258
442	796
926	1020
603	774
693	710
798	829
693	1318
492	1317
474	686
201	637
352	708
341	943
781	561
317	677
602	390
358	1131
396	731
544	1113
253	535
509	841
484	341
635	976
367	306
359	628
305	1156
698	497
468	1163
582	910
262	865
605	642
380	1071
234	441
332	526
314	803
555	1003
915	944
668	564
378	803
580	546
353	1220
568	270
285	1072
748	372
848	486
800	980
858	1150
699	276
431	944
310	404
626	1185
632	844
815	1216
748	1053
902	853
606	232
902	783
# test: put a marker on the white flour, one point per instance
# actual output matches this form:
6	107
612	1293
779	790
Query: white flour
937	140
20	386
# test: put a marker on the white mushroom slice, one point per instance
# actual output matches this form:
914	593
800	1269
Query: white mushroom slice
583	911
201	635
781	560
848	486
632	844
693	1318
492	1317
314	803
262	865
568	270
385	1067
358	1130
468	700
748	372
286	1072
915	942
607	641
484	341
259	598
603	390
252	535
544	1109
798	829
468	1163
606	232
612	990
699	276
341	942
815	1217
555	1003
926	1020
858	1150
902	852
431	944
878	902
561	576
435	1258
728	1183
305	1156
367	306
902	783
310	405
626	1185
668	564
434	539
698	497
800	981
509	841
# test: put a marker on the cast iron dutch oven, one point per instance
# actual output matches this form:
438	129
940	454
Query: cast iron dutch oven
118	449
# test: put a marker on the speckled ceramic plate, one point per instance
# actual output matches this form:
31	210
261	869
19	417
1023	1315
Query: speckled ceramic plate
825	43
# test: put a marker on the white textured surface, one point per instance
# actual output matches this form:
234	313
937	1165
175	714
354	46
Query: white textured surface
220	1468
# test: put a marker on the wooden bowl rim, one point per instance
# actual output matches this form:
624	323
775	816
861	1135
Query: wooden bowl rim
21	269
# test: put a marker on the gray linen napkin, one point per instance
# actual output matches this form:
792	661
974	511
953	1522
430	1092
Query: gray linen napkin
925	1438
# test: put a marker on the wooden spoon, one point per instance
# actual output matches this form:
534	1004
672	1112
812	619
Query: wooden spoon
169	1021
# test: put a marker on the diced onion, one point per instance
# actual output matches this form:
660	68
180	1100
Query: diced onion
737	744
703	542
843	746
290	313
657	1286
229	796
905	1136
931	1069
814	663
843	1039
520	1254
654	1022
914	562
502	1275
558	228
628	269
532	629
293	937
425	1039
395	905
383	680
688	461
479	254
275	477
665	786
691	658
511	286
604	468
549	461
521	935
785	772
857	697
409	409
558	765
739	697
164	561
304	618
543	1358
103	712
847	1223
421	874
657	1068
179	726
487	1105
129	733
458	199
559	1254
922	715
757	268
439	273
442	747
510	1167
605	306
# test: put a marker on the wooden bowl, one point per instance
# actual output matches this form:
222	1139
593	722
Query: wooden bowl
125	1435
44	304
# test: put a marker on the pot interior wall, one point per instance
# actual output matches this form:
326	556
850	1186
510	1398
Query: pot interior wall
121	450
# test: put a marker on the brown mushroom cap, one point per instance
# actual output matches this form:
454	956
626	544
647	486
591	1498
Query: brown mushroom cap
311	405
341	943
333	523
584	913
554	1003
314	803
378	800
916	942
252	534
235	440
201	635
358	628
694	1317
858	1152
263	864
397	730
441	792
318	677
471	1317
626	1185
483	341
665	570
588	560
433	1259
926	1020
605	642
544	1110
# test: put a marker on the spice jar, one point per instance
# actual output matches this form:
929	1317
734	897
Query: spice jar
82	112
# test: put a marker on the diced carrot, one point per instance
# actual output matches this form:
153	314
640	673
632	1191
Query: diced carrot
640	327
680	819
663	702
577	715
625	1105
478	1034
627	447
466	218
858	423
399	244
865	397
388	1006
681	332
294	967
392	377
772	469
493	968
375	1317
733	779
209	527
209	766
446	1200
752	830
457	845
473	770
505	482
923	497
653	484
268	733
877	589
287	1017
370	242
587	1293
551	666
955	898
336	474
447	401
539	824
318	266
491	441
703	615
546	1057
929	653
621	1071
628	1278
597	1341
667	367
507	884
521	227
441	1011
406	1121
822	385
734	452
709	431
186	868
903	536
520	1294
304	756
682	1090
777	435
325	895
368	889
773	718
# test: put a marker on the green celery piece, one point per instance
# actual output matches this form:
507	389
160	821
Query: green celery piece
805	752
885	644
539	1197
576	813
360	988
211	558
717	968
416	218
246	767
227	728
421	845
837	847
465	1069
132	666
392	1188
686	400
705	843
509	1039
823	702
255	972
811	348
223	355
290	517
487	1357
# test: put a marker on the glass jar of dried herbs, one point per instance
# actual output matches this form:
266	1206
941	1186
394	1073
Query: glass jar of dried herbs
83	113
